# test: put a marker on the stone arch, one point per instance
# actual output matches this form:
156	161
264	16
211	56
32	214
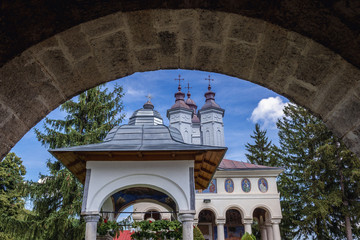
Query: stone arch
97	199
56	69
264	207
210	208
236	207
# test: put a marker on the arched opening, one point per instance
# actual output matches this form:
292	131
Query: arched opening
234	228
262	226
206	224
46	75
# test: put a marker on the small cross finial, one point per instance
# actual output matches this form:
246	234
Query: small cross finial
209	79
149	97
179	79
188	88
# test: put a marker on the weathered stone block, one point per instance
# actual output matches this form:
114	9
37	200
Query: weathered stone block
239	58
147	58
89	71
112	54
13	130
168	43
269	54
103	25
245	29
352	140
313	68
62	71
339	81
211	27
143	33
207	59
75	43
299	94
345	116
186	54
5	147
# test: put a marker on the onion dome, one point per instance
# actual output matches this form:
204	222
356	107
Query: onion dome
179	100
210	99
146	116
193	107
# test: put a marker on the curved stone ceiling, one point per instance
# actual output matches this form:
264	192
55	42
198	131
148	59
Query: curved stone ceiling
58	68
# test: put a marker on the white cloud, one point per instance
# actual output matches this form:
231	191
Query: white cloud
268	111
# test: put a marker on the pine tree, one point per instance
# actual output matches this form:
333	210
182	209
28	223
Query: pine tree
57	197
262	151
312	199
12	173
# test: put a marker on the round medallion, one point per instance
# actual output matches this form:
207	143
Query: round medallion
246	185
229	185
263	185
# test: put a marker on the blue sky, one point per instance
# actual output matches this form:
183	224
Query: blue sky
245	104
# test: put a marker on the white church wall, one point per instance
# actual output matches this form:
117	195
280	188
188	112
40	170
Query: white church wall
108	177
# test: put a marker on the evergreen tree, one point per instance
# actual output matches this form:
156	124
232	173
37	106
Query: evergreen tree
57	197
314	203
12	202
262	151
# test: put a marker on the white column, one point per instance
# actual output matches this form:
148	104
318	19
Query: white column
263	232
220	229
187	219
269	231
91	226
276	229
247	225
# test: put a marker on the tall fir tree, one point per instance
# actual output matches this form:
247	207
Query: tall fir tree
12	173
262	151
314	203
57	197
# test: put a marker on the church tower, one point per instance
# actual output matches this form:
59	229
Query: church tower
211	120
195	121
180	115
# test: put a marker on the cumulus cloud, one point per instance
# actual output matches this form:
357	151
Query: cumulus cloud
268	111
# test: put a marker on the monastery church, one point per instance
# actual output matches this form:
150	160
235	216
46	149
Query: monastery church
176	172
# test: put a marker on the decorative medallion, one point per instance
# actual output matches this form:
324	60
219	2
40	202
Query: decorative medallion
229	185
263	185
211	188
246	185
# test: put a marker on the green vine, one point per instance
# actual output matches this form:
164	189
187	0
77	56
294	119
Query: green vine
161	229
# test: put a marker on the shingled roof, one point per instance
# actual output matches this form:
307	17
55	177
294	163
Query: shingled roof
227	164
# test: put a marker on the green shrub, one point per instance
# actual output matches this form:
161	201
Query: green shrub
248	236
198	234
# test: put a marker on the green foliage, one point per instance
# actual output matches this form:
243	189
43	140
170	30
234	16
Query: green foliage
198	234
262	152
105	227
316	164
248	236
157	230
57	197
12	184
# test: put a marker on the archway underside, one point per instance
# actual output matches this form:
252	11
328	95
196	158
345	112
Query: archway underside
114	46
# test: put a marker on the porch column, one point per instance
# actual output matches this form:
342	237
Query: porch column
247	225
276	229
91	226
263	232
269	231
187	219
220	229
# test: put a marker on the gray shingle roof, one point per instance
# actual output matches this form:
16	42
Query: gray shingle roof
141	138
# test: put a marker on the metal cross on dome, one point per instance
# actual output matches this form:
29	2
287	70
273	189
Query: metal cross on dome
188	86
179	79
209	79
149	97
